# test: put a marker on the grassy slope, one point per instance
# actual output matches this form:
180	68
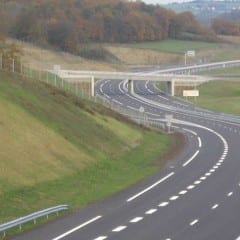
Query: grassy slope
172	45
220	96
52	142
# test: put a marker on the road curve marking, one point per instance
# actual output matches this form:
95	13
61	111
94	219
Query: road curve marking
77	228
150	187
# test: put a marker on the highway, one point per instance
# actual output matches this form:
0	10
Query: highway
195	197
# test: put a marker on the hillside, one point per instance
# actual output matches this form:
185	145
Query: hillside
206	10
66	25
52	141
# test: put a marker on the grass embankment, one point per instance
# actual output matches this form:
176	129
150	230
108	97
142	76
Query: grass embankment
166	52
222	96
172	45
56	148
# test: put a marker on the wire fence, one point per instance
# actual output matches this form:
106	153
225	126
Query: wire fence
80	88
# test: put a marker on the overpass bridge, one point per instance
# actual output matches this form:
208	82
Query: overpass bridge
173	77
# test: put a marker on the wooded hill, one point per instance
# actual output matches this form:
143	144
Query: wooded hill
66	24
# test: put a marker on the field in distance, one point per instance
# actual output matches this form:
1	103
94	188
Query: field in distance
162	53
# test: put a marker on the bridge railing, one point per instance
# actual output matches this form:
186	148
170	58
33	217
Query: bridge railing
32	217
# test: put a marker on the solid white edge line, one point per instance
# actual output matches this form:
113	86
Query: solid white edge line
77	228
150	187
188	161
188	130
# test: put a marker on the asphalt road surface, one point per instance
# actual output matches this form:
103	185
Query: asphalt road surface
195	197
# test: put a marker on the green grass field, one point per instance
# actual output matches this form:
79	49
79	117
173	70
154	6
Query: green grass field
222	96
221	72
56	148
175	46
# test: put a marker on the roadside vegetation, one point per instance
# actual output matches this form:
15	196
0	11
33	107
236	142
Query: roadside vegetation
221	96
56	148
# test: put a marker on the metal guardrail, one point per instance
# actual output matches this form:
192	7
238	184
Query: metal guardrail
32	217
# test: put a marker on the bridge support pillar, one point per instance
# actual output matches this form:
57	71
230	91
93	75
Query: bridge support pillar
130	87
92	86
170	87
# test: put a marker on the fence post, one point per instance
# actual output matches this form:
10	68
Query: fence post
13	65
92	86
21	67
1	60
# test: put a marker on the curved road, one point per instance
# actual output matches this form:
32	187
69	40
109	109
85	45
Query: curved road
195	197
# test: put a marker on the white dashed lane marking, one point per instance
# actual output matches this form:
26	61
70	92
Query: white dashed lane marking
190	187
151	211
183	192
191	159
197	182
230	194
150	187
194	222
163	204
101	238
173	198
199	142
119	229
215	206
136	219
77	228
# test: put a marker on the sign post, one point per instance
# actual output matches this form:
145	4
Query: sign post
141	110
190	53
169	118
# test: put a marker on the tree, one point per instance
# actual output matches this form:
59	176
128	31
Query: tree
63	35
226	27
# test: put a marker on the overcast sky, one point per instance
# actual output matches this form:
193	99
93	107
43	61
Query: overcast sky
164	1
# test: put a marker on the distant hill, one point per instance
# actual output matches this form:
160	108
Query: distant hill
66	25
205	10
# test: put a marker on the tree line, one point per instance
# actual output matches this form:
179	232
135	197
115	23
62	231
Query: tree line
67	24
